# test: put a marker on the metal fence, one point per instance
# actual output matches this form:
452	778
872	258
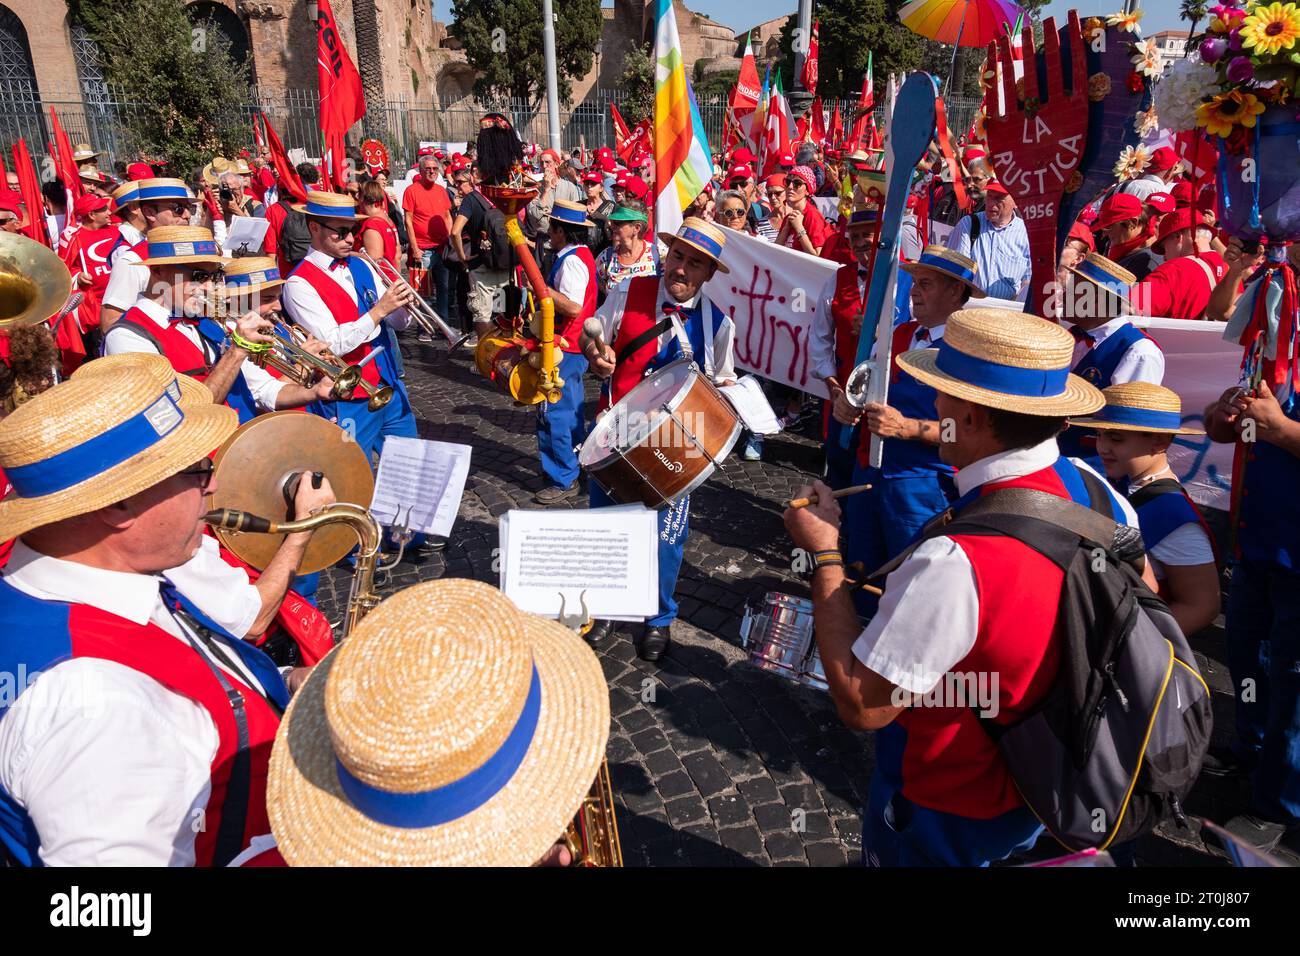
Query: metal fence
104	117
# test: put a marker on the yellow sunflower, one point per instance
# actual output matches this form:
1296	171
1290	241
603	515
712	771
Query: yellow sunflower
1226	110
1271	29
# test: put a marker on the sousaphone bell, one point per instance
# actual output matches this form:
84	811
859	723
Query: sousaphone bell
34	282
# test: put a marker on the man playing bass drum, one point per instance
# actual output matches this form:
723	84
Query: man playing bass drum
649	320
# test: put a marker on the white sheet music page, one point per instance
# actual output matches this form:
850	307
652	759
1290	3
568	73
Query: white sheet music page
605	557
426	477
755	411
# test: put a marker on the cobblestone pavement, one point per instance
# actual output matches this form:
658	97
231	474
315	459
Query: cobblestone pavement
713	761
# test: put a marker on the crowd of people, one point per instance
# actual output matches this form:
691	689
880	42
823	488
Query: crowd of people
109	583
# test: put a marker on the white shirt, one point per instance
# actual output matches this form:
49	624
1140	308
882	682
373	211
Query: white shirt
1144	186
129	277
1186	545
719	359
1143	362
915	638
574	278
821	341
305	307
112	767
119	338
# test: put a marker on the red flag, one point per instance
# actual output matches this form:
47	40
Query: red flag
817	123
63	156
809	76
858	135
835	132
1200	153
286	176
258	139
877	137
743	99
621	132
639	139
776	135
29	188
342	101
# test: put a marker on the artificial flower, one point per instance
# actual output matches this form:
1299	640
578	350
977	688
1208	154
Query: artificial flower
1224	111
1098	87
1224	17
1134	82
1271	29
1180	91
1132	161
1146	58
1146	121
1213	48
1091	27
1125	21
1240	70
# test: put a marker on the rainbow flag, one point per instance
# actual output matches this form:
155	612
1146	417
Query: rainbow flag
682	159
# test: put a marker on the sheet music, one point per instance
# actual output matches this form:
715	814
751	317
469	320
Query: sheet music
747	398
245	235
426	477
611	554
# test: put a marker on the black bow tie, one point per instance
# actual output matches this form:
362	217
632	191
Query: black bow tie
1082	335
923	335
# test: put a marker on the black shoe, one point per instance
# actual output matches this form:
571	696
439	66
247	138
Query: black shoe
430	544
653	644
601	631
554	495
1223	762
1263	835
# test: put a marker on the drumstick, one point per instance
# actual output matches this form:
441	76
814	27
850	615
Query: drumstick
812	499
595	331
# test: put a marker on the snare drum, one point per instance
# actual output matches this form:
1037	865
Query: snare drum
663	440
779	634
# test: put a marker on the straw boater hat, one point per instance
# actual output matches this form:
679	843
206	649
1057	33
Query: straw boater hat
157	189
704	236
450	729
181	245
1006	360
323	205
128	192
214	170
91	172
81	446
1108	275
947	263
1139	407
251	275
570	213
82	153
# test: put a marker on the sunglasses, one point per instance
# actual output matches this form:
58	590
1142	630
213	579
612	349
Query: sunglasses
202	471
731	214
176	209
207	275
344	231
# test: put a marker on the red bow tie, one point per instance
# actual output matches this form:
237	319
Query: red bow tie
338	264
1082	335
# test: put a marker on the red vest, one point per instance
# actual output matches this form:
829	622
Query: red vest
186	357
153	652
640	313
297	617
572	328
344	309
950	762
846	309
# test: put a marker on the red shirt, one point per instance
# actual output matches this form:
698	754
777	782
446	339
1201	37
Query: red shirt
813	223
386	232
430	206
1179	288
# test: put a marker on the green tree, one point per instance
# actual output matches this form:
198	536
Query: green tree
503	43
847	31
716	84
179	74
637	83
1193	11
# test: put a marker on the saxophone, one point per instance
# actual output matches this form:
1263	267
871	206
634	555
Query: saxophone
362	597
592	837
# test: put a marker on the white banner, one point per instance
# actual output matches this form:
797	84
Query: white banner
773	295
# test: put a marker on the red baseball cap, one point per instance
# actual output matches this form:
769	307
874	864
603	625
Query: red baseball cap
1178	221
1162	159
638	187
972	153
993	186
786	161
1208	198
88	204
1182	193
138	171
604	151
1161	202
621	178
739	171
606	163
425	151
1083	234
591	176
743	155
1118	207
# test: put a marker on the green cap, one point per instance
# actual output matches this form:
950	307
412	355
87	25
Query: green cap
624	214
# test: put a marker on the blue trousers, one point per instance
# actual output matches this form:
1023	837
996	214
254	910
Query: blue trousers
840	462
1263	642
439	277
674	525
561	426
880	523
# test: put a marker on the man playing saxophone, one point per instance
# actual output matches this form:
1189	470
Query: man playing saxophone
146	739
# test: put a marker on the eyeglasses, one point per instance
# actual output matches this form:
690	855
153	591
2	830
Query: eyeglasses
731	214
207	275
202	471
797	184
344	231
176	209
776	193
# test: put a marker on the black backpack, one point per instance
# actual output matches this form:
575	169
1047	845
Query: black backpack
494	248
294	241
1117	743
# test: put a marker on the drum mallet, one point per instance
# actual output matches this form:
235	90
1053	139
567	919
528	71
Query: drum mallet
593	329
812	499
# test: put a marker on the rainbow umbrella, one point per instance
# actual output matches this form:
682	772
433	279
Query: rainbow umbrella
975	23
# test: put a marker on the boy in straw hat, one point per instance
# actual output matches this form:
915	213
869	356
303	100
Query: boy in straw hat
1134	431
390	755
174	318
572	284
908	488
135	627
150	204
664	317
983	603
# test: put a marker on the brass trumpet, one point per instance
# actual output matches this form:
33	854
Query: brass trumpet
290	357
420	310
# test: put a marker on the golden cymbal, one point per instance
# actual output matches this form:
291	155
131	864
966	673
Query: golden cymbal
34	282
251	469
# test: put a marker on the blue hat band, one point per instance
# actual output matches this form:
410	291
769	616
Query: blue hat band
863	218
330	212
204	247
954	269
707	243
1094	273
1140	417
431	808
574	217
145	193
253	278
1006	379
97	455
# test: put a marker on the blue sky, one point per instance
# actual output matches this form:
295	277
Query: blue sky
741	14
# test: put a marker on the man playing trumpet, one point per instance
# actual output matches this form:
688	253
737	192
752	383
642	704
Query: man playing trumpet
147	737
174	318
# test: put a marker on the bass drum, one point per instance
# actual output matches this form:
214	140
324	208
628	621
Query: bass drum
501	359
663	440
